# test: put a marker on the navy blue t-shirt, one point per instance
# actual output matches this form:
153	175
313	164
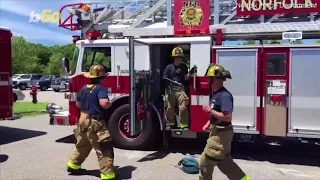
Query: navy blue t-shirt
176	73
89	102
221	101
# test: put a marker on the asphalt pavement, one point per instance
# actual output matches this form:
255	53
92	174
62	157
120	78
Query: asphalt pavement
31	149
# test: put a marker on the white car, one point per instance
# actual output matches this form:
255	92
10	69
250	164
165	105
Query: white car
17	95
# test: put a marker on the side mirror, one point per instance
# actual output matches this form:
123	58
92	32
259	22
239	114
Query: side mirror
65	66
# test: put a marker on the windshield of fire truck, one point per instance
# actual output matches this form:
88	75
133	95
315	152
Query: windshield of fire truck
96	55
73	62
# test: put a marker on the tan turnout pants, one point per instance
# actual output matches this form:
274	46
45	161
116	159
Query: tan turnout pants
177	98
93	135
217	153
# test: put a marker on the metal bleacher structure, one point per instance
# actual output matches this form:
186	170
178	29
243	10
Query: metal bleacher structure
117	19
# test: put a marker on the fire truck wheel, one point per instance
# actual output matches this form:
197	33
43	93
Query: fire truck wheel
119	122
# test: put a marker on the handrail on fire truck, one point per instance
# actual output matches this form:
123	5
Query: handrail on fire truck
230	19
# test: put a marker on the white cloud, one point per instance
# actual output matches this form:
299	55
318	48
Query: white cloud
33	32
24	8
20	8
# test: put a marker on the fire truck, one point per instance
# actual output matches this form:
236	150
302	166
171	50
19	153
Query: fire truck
275	86
6	95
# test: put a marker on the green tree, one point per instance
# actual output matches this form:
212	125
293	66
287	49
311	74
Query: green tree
249	42
28	57
54	65
23	58
298	41
274	42
317	43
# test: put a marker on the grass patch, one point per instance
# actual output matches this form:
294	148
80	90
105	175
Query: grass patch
29	109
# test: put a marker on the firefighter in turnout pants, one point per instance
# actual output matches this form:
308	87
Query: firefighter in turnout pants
177	97
91	131
218	147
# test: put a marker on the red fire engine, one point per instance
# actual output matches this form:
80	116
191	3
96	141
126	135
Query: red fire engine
6	97
275	87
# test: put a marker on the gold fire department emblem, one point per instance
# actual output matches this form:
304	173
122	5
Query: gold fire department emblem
191	14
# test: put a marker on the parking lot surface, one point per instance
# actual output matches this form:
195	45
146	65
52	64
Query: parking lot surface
31	149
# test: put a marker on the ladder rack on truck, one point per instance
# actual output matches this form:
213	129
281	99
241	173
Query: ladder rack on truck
150	18
135	39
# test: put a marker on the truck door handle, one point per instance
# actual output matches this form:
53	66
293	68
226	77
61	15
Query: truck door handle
118	75
194	78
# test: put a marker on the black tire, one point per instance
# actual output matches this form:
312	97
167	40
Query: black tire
15	98
56	90
22	86
140	142
43	88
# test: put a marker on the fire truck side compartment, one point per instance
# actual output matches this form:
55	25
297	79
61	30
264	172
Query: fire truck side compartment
304	93
242	63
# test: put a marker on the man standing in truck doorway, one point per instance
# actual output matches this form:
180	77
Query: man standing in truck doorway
177	72
91	131
218	148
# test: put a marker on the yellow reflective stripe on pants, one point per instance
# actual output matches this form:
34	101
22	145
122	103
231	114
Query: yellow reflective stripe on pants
108	176
183	125
170	124
245	178
73	166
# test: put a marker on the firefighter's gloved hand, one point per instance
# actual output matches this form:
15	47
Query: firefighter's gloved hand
193	70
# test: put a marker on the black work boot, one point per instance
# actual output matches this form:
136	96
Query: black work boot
77	171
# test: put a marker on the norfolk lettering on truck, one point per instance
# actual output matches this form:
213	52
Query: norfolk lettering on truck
268	102
264	7
47	16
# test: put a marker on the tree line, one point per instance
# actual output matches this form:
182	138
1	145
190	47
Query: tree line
29	57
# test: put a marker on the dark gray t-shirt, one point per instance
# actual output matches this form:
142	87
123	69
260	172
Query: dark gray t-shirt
176	73
221	101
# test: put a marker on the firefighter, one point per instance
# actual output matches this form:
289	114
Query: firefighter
91	131
177	97
218	147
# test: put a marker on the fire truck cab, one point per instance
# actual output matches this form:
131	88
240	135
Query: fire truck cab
275	90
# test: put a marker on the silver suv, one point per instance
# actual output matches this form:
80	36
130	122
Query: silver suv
24	81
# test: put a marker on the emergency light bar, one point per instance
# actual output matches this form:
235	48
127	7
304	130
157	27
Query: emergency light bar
93	35
192	32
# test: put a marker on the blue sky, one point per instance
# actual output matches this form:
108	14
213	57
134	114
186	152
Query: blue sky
15	15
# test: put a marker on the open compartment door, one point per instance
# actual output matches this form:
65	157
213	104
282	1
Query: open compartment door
140	79
200	58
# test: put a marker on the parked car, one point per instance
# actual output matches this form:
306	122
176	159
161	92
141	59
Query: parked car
17	95
24	81
60	83
45	82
